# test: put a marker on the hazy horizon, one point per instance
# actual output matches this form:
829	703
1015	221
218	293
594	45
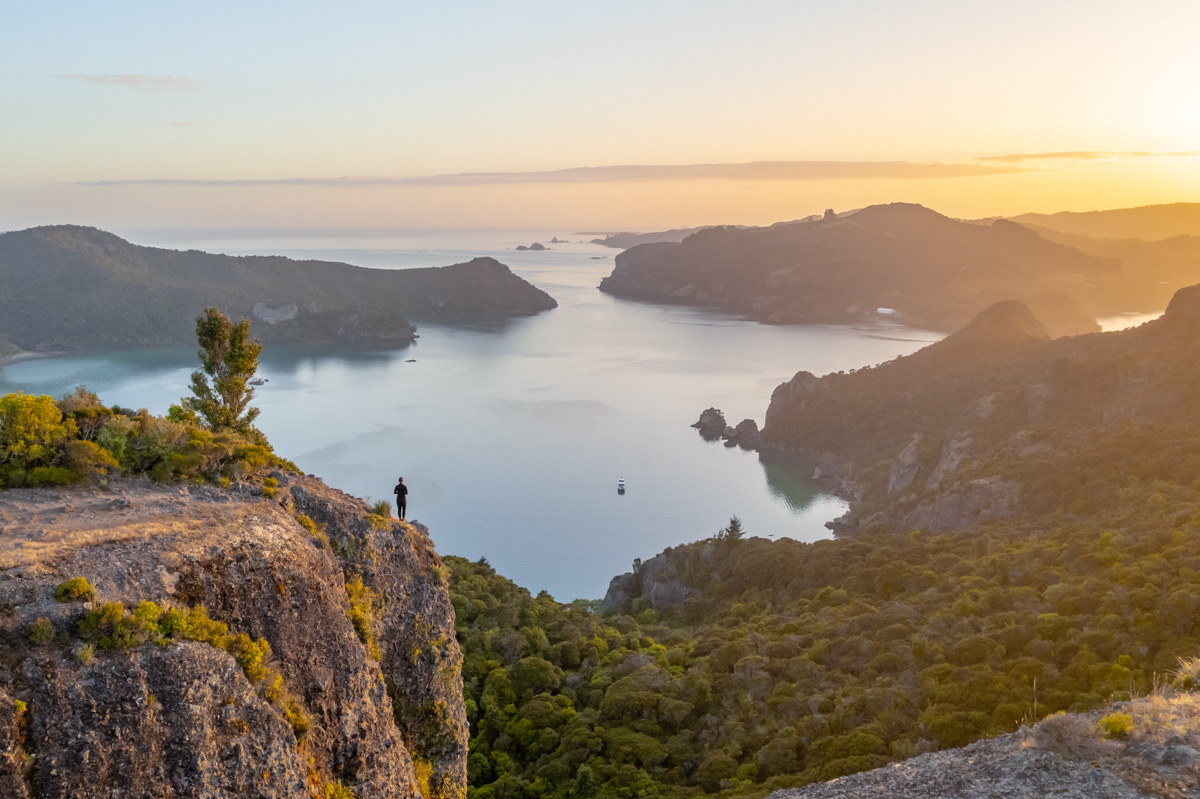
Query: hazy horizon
647	116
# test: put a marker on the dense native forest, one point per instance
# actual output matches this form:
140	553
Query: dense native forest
791	663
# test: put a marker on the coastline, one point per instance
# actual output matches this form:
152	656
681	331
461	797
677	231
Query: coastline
27	356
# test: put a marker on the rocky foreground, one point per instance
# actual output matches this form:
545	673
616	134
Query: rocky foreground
1067	756
361	684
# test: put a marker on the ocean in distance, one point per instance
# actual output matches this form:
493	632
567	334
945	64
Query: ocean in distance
512	435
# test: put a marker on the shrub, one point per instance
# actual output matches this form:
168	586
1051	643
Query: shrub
1116	725
101	619
249	655
87	459
1187	676
318	533
382	508
85	652
362	613
42	631
301	724
336	790
32	430
135	629
423	769
1070	735
75	588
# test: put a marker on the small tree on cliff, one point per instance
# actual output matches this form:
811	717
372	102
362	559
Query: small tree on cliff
228	360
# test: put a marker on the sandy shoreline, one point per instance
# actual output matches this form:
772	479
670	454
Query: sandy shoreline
26	356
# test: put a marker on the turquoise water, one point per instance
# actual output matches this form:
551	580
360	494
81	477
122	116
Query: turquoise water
512	435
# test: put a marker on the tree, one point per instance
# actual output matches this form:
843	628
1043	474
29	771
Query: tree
228	360
734	532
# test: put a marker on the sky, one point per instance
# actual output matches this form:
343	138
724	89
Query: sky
598	116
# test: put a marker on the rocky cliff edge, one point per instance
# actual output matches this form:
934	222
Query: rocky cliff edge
360	685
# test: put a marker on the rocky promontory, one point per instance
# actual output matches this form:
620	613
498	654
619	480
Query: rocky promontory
68	287
271	640
969	429
899	262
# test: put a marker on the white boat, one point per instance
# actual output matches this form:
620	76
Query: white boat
620	485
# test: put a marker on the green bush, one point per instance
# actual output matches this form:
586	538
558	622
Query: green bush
1116	725
85	652
73	589
363	602
336	790
42	631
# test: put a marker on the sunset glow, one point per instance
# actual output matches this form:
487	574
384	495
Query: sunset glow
306	115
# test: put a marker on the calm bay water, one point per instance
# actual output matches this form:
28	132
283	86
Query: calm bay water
512	435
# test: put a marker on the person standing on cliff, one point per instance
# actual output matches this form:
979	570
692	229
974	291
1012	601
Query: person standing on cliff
401	492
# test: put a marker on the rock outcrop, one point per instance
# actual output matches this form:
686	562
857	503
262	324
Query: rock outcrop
1065	756
185	717
664	580
711	424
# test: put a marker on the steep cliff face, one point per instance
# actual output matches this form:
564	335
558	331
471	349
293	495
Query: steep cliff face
150	714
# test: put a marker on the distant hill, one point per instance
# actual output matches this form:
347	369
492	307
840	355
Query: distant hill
1170	263
1149	222
933	271
625	239
70	288
998	421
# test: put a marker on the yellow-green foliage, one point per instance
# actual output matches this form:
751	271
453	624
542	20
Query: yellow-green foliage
301	724
47	443
42	631
249	655
112	628
423	770
381	507
32	435
1116	725
379	522
86	459
363	604
85	652
73	589
318	533
1187	674
336	790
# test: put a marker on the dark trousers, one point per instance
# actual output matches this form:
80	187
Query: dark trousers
401	506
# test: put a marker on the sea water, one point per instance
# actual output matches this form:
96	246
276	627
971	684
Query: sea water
511	435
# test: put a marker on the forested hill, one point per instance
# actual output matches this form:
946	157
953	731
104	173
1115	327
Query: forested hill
999	421
936	272
67	288
777	664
